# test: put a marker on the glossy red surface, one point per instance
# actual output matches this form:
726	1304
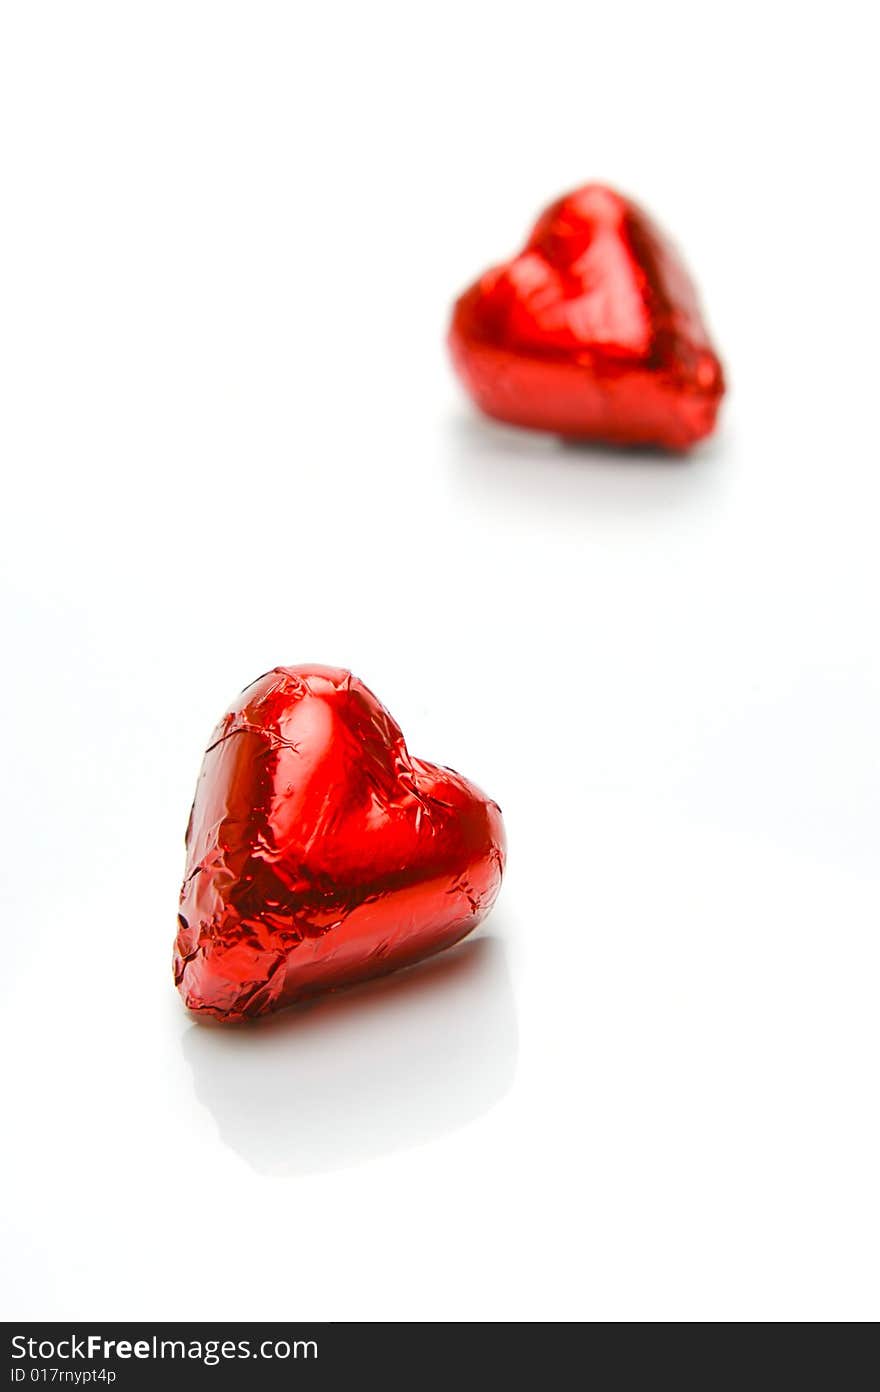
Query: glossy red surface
319	853
592	332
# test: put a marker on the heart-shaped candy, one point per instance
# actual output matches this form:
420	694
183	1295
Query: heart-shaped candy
592	332
319	853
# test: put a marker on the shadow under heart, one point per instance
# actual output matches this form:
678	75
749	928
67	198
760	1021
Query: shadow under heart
377	1068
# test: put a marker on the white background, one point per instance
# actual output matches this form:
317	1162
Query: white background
230	238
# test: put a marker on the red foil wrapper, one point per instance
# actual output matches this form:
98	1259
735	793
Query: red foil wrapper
593	332
319	853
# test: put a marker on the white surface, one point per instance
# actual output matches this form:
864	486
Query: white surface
231	235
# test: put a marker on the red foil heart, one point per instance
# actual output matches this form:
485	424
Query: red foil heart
319	853
593	332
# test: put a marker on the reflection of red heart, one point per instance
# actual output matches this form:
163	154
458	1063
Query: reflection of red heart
592	332
319	853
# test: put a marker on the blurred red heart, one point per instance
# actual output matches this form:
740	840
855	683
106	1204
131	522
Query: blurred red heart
593	332
319	853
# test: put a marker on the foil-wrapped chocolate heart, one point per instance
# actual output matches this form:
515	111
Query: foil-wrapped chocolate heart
319	853
592	332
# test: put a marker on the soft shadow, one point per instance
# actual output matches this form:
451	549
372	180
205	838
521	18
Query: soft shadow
528	471
378	1068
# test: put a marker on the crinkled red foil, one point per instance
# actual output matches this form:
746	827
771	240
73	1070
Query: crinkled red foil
592	332
319	853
